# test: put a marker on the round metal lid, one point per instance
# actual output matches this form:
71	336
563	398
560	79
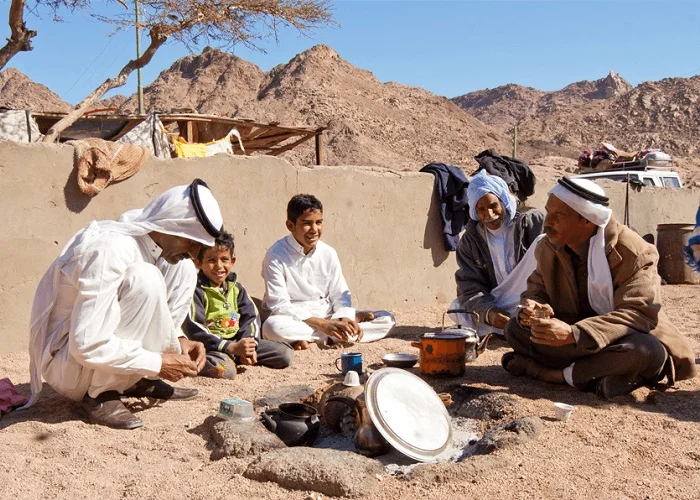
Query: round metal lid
447	334
408	413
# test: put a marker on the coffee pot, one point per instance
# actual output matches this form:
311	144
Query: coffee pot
296	424
368	440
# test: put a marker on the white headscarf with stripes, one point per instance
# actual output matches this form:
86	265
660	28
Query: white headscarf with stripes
600	286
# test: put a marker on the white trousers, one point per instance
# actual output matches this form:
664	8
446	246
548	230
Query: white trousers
287	329
153	303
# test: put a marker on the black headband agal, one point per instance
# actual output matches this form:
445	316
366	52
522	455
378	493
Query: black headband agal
199	209
583	192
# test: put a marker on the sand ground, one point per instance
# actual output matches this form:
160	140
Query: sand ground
645	445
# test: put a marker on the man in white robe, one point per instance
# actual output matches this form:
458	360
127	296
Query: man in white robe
107	314
305	291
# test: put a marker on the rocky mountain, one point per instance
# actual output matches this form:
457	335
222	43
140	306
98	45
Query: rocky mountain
507	105
392	125
654	114
115	102
17	91
580	116
368	122
212	82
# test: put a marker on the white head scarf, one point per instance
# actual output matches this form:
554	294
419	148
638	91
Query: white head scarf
174	212
482	184
589	200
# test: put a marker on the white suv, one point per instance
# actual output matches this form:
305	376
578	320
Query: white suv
646	176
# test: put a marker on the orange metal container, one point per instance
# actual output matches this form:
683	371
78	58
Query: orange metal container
443	353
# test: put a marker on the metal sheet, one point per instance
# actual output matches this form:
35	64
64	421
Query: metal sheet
408	413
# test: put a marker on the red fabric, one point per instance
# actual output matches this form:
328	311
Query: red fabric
9	396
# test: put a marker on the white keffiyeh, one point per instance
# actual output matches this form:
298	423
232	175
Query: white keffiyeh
600	286
170	213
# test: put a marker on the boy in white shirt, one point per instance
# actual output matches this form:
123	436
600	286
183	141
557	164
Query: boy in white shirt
305	290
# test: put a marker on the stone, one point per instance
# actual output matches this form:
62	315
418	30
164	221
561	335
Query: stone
491	406
236	439
330	472
285	394
472	469
509	434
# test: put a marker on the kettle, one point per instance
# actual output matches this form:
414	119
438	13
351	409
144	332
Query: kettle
445	353
296	424
368	440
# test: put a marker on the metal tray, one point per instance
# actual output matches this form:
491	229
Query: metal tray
408	413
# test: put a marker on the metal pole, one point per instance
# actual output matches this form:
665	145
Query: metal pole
515	141
138	54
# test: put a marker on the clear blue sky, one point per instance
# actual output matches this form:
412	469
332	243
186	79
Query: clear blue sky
447	47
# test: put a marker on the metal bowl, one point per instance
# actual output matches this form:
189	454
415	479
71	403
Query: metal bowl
400	360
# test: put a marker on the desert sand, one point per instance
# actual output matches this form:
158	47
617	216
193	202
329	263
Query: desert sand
644	445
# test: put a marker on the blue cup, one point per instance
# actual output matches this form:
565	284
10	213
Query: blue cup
350	361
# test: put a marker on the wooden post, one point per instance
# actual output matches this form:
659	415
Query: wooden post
189	134
319	148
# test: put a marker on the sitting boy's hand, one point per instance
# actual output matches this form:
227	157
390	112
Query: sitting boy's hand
244	350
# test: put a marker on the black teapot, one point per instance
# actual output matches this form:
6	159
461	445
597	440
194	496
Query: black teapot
296	424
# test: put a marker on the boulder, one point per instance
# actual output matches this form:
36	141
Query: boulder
330	472
286	394
235	439
511	433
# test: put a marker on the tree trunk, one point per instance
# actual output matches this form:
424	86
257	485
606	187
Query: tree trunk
157	39
21	38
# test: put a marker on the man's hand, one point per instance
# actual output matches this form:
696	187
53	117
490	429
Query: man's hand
527	311
497	318
176	366
244	350
195	351
342	329
356	334
553	332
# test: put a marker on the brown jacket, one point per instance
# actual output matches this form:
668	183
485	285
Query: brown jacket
636	293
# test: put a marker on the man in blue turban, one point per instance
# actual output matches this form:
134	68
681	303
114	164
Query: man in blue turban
493	257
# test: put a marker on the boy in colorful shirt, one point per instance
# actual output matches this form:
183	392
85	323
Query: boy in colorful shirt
225	320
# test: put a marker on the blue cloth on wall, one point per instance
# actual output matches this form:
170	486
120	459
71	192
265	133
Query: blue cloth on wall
692	250
451	188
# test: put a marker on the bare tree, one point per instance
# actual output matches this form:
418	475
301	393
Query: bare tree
223	23
20	37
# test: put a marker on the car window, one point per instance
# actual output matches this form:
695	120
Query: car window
648	181
671	182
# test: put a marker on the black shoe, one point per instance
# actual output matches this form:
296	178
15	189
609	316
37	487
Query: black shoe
107	409
157	389
613	386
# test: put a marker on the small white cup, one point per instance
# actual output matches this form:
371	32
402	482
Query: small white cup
562	411
352	379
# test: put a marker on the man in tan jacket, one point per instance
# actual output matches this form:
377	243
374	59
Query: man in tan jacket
591	314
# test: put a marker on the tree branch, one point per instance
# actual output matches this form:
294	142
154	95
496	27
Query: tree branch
21	38
157	40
